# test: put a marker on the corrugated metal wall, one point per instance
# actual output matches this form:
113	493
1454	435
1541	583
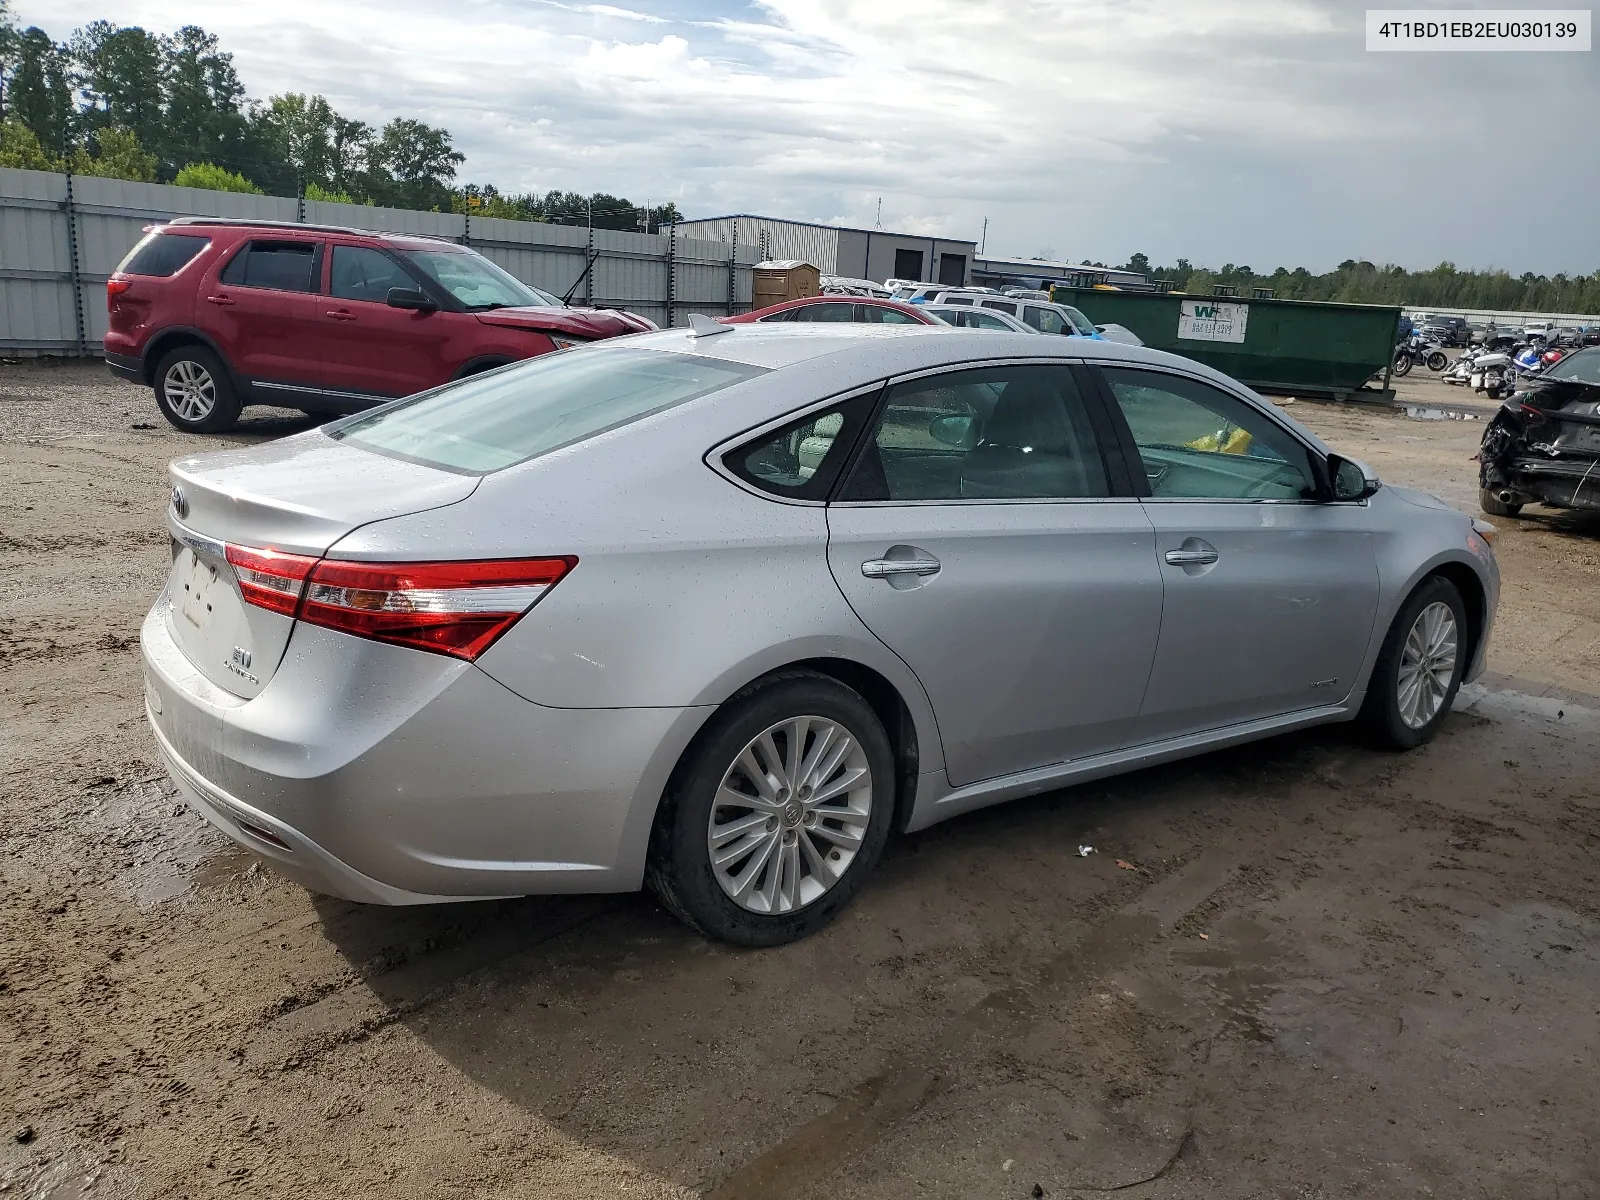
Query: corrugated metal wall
815	244
44	260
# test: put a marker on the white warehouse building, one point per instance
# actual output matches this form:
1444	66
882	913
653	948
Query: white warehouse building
874	254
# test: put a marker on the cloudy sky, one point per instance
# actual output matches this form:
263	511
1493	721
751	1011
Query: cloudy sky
1256	132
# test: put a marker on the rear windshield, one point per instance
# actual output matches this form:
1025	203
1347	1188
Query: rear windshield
162	254
505	417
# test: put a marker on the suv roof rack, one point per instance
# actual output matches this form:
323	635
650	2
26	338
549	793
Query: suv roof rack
258	224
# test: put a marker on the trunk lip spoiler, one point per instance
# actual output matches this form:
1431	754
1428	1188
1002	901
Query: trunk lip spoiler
197	542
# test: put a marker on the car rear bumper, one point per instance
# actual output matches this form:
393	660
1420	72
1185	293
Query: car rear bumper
126	366
412	787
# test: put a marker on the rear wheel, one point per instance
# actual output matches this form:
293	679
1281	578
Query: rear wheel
778	813
1490	502
1438	361
1419	668
1402	363
194	391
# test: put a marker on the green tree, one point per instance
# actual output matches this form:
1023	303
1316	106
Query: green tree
1138	262
19	148
316	192
299	130
214	178
10	46
118	156
205	120
41	90
120	77
411	165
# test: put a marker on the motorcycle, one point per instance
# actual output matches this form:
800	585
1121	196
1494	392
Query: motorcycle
1485	369
1419	350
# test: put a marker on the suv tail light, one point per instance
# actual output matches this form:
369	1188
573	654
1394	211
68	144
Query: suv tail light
454	608
115	288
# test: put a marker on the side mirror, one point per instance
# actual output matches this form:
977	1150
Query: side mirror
1351	480
957	431
412	298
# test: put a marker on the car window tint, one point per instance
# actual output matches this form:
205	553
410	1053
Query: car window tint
958	300
983	320
1198	442
888	316
162	254
825	312
785	315
1004	306
281	266
495	420
803	459
993	433
1050	321
362	273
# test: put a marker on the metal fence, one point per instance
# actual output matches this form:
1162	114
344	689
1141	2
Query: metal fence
61	237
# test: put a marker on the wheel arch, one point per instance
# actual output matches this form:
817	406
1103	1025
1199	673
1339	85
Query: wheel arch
481	363
168	340
1473	594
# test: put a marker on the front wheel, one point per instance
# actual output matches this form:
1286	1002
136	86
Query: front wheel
1402	363
1419	668
1438	361
194	391
777	814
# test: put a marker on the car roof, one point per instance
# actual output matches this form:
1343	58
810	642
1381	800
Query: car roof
418	240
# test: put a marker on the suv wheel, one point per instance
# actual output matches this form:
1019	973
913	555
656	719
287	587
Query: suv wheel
194	391
777	815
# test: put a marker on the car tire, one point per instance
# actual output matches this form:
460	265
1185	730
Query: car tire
1493	506
1397	717
784	844
195	392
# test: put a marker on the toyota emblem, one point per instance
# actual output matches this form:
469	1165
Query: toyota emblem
180	503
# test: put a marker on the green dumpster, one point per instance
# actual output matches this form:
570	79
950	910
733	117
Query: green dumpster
1303	347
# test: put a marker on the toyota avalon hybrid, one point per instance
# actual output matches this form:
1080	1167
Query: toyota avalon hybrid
719	610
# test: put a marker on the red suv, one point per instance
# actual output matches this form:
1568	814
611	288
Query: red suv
217	314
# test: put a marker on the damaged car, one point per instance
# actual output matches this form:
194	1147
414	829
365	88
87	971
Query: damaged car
1543	446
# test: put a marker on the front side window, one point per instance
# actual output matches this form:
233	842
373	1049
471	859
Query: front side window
277	265
1047	320
161	254
496	420
1079	322
1200	443
873	314
362	273
476	282
825	312
993	433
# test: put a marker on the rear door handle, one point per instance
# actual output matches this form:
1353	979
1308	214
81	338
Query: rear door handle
885	568
1191	558
341	314
220	300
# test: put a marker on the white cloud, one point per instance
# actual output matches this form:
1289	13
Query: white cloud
1254	132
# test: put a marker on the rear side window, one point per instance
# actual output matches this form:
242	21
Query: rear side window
281	266
802	460
163	254
496	420
1005	306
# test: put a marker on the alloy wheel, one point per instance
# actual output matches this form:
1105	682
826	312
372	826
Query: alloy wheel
790	815
190	391
1427	664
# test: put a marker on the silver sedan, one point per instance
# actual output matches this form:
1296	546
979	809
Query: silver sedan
720	610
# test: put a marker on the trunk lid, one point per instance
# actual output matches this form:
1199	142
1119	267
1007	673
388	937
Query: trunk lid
299	495
592	323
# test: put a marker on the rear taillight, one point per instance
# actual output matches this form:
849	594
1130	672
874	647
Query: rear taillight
455	608
271	579
115	288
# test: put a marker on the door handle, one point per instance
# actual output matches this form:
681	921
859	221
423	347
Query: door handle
1191	558
341	314
886	568
221	301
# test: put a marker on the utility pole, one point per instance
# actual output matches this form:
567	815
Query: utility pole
880	212
983	241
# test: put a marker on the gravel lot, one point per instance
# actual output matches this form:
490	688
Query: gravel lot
1297	968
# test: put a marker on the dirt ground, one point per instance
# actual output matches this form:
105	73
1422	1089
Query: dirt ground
1297	968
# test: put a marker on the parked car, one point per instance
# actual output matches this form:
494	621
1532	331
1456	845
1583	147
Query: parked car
1045	317
1120	333
1543	446
1538	329
842	285
217	314
976	318
1447	331
835	310
711	609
